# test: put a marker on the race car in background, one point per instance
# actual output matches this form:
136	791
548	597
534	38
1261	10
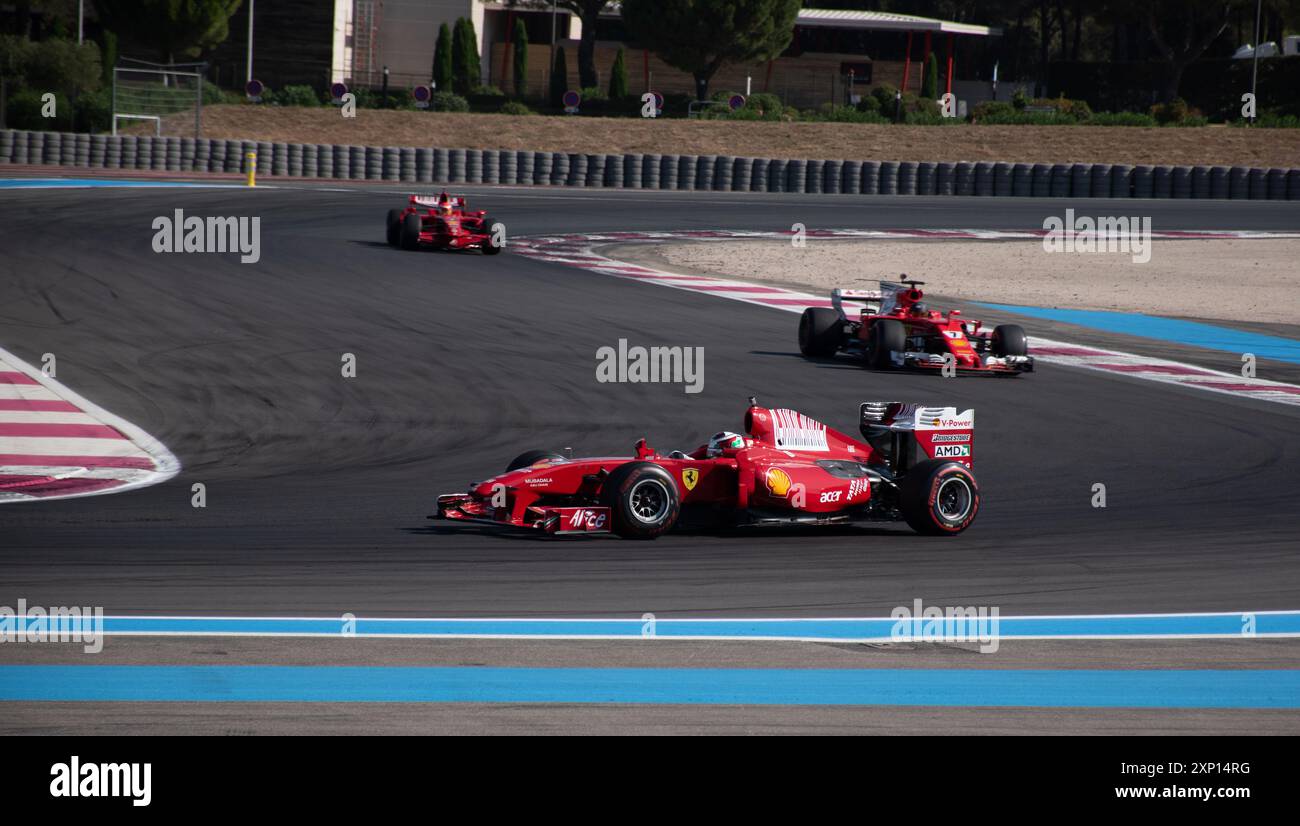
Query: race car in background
913	463
442	222
895	328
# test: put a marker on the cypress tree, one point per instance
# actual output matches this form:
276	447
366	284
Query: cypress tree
559	78
442	70
521	59
618	77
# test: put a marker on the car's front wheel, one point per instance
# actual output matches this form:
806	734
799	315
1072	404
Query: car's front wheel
820	331
939	498
643	500
1009	340
394	227
410	233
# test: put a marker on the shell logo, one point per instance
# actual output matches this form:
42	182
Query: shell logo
778	481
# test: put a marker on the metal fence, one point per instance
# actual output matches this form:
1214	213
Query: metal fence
150	91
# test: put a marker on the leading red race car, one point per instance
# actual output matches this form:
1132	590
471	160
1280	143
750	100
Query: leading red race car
443	222
913	463
895	328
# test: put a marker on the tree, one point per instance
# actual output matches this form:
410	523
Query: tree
521	59
700	36
588	11
618	77
930	81
442	66
465	65
1181	31
168	28
559	78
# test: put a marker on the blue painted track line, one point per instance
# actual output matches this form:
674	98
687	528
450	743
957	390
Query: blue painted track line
1137	626
1190	333
75	183
708	686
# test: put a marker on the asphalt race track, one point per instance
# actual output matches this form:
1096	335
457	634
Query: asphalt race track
318	486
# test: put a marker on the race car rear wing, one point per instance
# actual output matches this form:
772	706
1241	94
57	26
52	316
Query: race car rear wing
871	299
432	200
899	429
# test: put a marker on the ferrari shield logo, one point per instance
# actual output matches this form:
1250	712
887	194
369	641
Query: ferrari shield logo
689	477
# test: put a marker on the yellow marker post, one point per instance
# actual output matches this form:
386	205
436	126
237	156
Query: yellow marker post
250	160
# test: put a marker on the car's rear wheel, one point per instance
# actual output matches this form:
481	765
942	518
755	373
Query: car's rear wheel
410	233
820	330
530	458
643	500
394	227
887	337
939	498
489	248
1009	340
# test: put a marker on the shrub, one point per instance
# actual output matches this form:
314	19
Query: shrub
996	109
1019	98
869	103
1171	112
301	95
1121	119
884	95
514	107
593	94
23	111
93	111
448	102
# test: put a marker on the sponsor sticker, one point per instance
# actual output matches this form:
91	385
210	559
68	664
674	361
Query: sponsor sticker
951	437
950	451
778	481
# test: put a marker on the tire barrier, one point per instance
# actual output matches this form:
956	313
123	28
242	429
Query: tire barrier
1003	180
1143	183
964	179
741	169
927	178
907	171
983	179
668	172
1059	183
851	177
1238	183
796	176
704	172
871	177
650	165
686	171
1022	180
812	176
718	173
1218	182
888	177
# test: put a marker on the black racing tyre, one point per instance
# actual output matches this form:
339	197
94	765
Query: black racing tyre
530	458
1009	340
939	498
643	500
887	336
488	247
820	331
394	227
410	233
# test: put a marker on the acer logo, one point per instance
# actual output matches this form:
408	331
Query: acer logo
584	519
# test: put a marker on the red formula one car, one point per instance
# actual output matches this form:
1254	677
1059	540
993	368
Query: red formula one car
895	328
913	463
443	222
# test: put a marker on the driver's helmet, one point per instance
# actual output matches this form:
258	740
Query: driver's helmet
919	308
724	441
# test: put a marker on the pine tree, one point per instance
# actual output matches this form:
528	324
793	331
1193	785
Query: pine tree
442	65
559	78
521	59
618	77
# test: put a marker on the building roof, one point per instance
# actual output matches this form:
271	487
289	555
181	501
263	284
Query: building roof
888	21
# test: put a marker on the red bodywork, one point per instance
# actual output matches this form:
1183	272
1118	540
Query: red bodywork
447	223
931	336
791	470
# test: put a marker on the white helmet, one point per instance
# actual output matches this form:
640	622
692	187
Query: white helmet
726	440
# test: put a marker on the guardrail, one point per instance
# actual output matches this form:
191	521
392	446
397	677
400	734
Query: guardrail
718	173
